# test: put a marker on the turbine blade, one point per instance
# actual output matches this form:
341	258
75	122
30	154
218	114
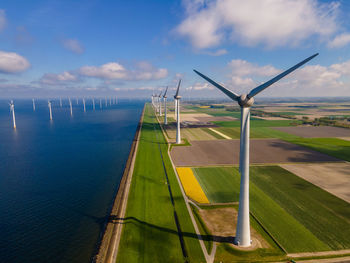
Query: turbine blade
165	92
260	88
178	87
229	93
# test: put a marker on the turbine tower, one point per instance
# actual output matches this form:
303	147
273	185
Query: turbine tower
160	104
12	109
70	106
245	101
50	109
164	97
60	102
84	104
33	104
93	104
100	103
177	109
106	101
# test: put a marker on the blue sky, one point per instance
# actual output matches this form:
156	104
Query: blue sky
129	48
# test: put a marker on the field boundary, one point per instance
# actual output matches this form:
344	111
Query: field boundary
108	249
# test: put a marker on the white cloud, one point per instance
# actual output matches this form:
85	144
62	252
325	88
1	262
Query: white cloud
58	79
270	23
216	53
11	62
200	86
340	41
73	45
244	68
114	70
2	19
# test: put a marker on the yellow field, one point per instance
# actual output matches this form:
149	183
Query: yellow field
191	186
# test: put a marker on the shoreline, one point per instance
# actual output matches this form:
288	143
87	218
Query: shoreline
108	245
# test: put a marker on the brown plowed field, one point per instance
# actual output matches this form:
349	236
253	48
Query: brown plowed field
332	177
316	132
226	152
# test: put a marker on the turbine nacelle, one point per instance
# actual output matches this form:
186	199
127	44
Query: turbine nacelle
244	101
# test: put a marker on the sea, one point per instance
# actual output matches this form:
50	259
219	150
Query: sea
58	178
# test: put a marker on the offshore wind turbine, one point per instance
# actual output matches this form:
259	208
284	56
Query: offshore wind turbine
84	104
70	106
245	101
93	104
12	109
106	101
100	103
60	102
33	104
50	109
177	109
164	97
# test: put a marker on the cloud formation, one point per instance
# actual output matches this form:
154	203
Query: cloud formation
114	70
73	45
270	23
340	41
58	79
310	80
2	19
11	62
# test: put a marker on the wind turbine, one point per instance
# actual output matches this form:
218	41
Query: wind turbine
77	99
164	97
245	101
100	103
12	109
70	106
93	104
106	101
177	109
84	104
50	109
33	104
160	104
60	102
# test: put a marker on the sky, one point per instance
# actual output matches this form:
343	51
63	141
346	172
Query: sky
133	48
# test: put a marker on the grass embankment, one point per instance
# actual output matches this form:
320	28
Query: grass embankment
150	233
299	215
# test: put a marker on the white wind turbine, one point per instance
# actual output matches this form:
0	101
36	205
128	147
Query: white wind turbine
245	101
106	101
50	109
70	106
177	110
60	102
165	111
12	109
160	104
84	104
100	103
33	104
93	104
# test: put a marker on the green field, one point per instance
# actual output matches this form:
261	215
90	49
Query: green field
150	233
301	216
331	146
259	123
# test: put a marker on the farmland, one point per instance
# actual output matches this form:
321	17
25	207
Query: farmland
283	201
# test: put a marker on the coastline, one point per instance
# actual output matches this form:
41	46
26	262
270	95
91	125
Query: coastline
108	246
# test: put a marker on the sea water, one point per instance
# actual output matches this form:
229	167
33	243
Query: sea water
58	178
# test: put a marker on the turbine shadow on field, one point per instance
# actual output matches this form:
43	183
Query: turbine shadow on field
134	220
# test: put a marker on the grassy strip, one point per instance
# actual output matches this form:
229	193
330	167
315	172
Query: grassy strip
331	146
204	231
214	134
222	184
149	233
307	203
